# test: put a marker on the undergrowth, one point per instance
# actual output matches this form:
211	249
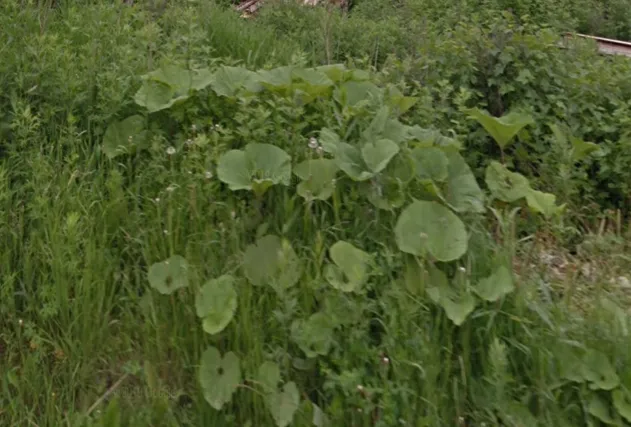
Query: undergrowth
201	226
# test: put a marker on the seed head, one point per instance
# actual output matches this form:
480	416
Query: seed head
313	143
208	174
171	188
462	269
171	150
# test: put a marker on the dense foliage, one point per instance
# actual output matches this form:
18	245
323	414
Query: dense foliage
202	224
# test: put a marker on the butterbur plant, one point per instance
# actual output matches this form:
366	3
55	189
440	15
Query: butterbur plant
415	179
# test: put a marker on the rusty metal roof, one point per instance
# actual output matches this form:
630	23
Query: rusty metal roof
606	46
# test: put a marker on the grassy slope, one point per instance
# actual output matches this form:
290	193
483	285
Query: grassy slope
78	232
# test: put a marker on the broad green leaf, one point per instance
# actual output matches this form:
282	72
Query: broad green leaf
598	371
463	192
272	261
622	403
582	149
543	203
168	85
216	304
169	275
384	192
497	285
458	309
154	96
256	168
284	404
219	377
431	163
377	125
431	138
229	81
329	140
124	137
318	178
353	263
599	408
398	101
269	377
278	79
502	129
428	227
314	336
457	304
378	154
506	185
233	169
336	72
357	93
350	161
316	83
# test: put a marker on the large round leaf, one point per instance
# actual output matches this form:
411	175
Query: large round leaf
428	227
124	137
318	178
314	336
169	275
350	261
284	403
219	377
504	184
495	286
377	154
256	168
272	261
431	163
216	303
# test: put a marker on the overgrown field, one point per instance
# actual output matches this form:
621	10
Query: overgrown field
407	215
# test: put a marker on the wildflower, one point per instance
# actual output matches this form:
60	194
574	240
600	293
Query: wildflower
171	150
423	236
385	360
157	200
171	188
462	269
313	143
21	322
320	150
189	142
360	388
208	174
193	127
130	139
166	232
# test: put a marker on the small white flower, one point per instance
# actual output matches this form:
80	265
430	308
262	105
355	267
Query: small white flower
360	388
130	138
171	150
166	232
157	200
313	143
208	174
193	127
320	150
171	188
462	269
423	235
189	142
385	360
20	322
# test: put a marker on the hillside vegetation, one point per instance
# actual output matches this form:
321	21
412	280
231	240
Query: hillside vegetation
407	214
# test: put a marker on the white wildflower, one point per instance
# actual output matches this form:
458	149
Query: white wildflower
208	174
313	143
171	150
